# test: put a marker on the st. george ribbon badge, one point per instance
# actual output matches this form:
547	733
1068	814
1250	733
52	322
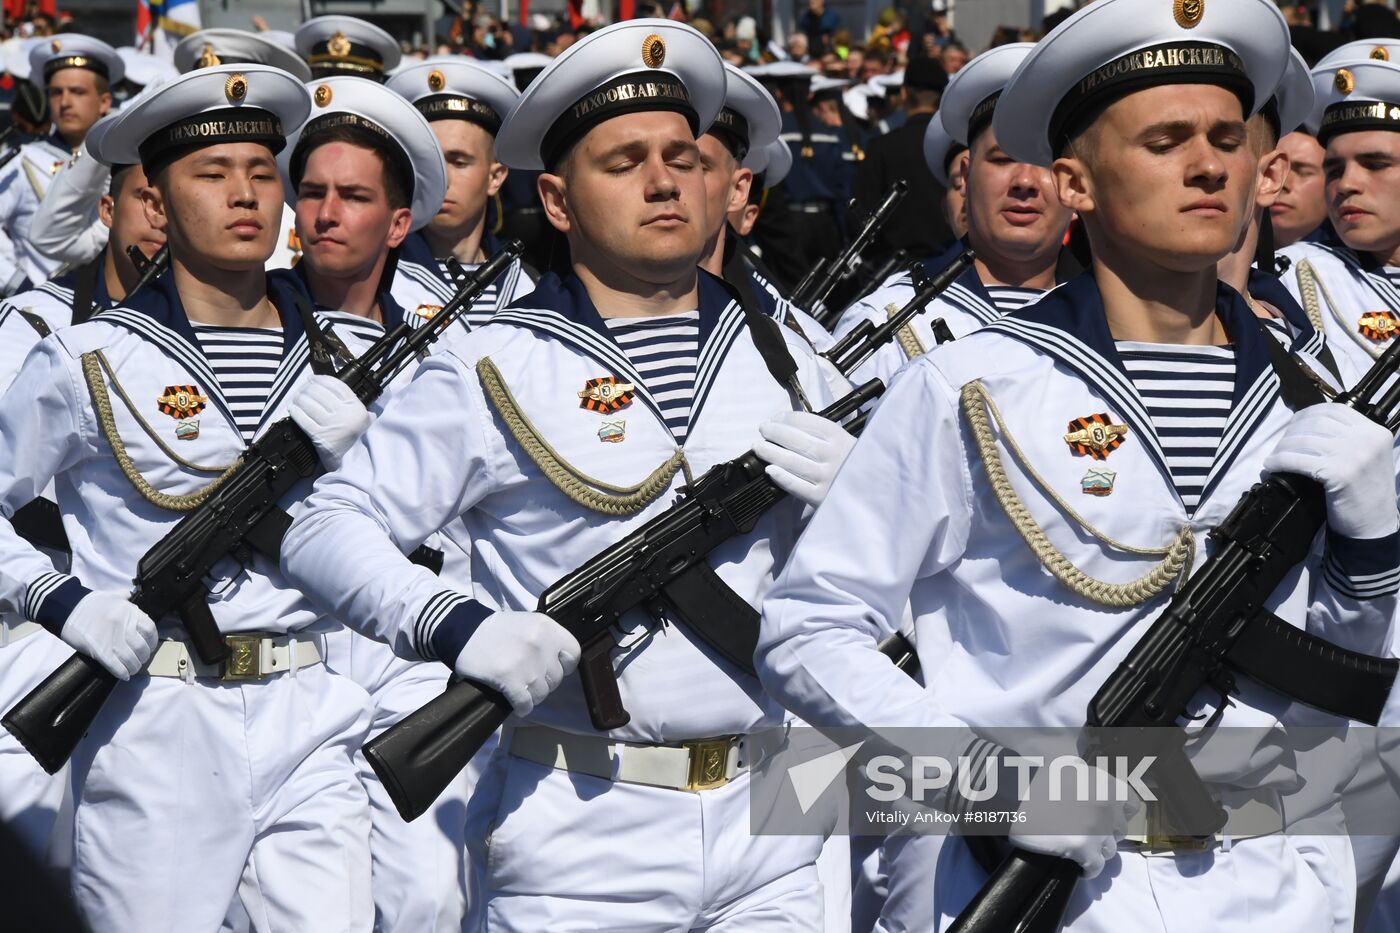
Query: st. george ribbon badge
605	394
1095	436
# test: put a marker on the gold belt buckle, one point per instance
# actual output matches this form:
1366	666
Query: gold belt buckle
1159	839
245	658
709	759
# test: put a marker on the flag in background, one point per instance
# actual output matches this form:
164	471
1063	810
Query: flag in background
161	24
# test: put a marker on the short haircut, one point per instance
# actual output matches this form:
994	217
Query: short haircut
397	173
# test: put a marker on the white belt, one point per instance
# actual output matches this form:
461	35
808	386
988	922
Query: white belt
1257	812
11	631
254	656
698	765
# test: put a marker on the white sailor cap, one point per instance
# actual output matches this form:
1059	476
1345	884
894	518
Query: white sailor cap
940	148
822	86
1355	96
143	68
777	165
451	87
1112	48
1380	49
349	102
636	65
749	119
1294	100
74	50
347	45
971	96
17	55
210	47
857	99
889	83
207	107
783	71
525	67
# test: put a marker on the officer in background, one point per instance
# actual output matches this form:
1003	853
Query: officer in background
77	73
899	154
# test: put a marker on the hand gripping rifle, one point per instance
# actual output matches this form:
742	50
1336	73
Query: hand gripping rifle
239	519
815	288
661	567
1215	628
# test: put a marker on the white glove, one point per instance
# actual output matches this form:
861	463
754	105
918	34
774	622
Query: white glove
1351	456
803	451
331	415
524	655
1105	822
109	629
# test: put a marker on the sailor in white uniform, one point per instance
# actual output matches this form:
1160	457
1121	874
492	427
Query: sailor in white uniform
556	429
347	45
362	172
465	104
211	786
1350	288
1015	225
1028	588
77	73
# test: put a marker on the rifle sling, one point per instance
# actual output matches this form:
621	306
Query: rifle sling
1312	670
41	524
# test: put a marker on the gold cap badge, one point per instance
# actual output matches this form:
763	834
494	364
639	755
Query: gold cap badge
207	58
56	46
339	46
436	81
322	95
1344	82
653	51
1380	53
1188	13
236	88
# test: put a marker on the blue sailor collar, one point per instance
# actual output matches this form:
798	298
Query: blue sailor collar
56	140
157	314
1270	289
561	307
967	292
415	249
295	282
1069	324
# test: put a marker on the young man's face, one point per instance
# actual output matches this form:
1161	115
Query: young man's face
76	102
1362	172
1166	175
632	196
122	211
726	183
344	218
473	175
1302	204
1011	206
220	206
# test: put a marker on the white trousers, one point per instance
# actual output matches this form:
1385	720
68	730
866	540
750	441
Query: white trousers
189	793
418	868
29	797
562	851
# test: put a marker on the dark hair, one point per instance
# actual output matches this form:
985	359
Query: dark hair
398	174
118	176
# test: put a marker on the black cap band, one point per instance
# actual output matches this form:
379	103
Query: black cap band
211	128
348	58
86	62
1355	116
401	163
1168	63
982	116
629	93
731	129
457	107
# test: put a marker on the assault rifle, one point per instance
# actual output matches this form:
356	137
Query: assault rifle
1214	629
239	519
662	566
148	269
815	288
